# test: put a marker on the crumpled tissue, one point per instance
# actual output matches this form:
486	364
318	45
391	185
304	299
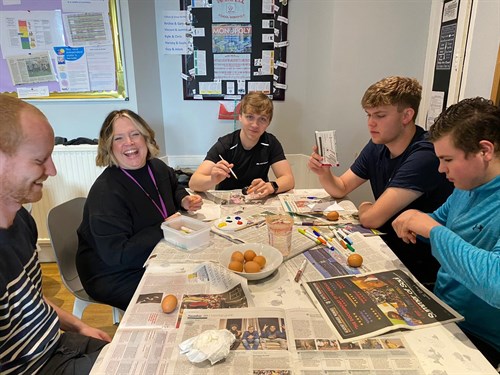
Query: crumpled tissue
213	345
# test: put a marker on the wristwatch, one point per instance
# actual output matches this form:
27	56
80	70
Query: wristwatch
275	186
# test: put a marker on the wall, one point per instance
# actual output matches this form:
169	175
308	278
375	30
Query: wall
484	39
337	49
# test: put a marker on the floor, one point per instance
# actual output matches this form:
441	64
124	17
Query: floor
96	315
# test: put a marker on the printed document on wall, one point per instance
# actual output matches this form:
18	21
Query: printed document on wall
28	32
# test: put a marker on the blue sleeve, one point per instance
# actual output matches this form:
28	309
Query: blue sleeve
441	214
475	268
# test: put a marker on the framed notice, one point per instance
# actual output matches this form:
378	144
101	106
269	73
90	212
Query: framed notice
58	49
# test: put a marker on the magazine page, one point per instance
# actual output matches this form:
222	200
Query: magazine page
323	263
200	286
363	306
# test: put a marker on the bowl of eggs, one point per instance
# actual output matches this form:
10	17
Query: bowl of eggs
253	261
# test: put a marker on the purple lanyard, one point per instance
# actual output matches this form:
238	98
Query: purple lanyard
163	209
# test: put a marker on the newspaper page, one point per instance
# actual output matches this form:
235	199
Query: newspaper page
296	341
304	344
363	306
33	68
200	286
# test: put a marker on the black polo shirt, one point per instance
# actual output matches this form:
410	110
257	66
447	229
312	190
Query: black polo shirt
248	164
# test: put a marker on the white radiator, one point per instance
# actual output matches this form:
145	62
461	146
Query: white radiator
76	172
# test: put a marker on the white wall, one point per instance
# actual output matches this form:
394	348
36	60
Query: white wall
482	50
337	49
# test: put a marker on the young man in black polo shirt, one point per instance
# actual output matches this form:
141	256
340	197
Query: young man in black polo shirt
242	159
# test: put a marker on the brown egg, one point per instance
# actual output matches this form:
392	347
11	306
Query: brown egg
169	303
355	260
249	255
252	267
261	260
238	256
332	215
234	265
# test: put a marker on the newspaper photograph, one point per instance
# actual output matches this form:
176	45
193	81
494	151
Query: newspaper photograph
363	306
33	68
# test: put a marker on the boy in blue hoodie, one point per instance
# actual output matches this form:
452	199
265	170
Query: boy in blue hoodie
465	231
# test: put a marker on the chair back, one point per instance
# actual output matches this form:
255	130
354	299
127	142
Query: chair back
62	222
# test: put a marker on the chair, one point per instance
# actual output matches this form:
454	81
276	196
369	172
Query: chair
62	222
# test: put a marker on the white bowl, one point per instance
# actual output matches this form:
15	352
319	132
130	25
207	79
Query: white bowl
272	255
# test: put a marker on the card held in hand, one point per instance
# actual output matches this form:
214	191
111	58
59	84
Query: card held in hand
327	147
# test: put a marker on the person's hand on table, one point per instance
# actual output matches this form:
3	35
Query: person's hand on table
260	188
412	223
315	163
192	202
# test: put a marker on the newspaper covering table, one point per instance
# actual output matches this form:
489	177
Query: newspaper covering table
147	339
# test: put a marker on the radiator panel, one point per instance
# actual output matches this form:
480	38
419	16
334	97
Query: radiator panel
76	172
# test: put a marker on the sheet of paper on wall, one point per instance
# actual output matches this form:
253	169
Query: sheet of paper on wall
87	29
72	69
200	63
28	32
200	4
232	66
231	11
264	87
210	88
267	6
267	63
80	6
232	38
327	147
176	30
32	92
435	107
101	64
32	68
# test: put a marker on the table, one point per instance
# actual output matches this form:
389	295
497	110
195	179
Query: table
146	341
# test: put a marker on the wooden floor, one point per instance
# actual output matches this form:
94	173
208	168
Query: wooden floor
95	315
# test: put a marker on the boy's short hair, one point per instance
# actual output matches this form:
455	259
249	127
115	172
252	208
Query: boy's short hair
402	92
258	103
469	122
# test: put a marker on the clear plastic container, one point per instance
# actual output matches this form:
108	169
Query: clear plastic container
186	232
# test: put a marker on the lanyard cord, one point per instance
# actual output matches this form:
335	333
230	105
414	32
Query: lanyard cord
163	209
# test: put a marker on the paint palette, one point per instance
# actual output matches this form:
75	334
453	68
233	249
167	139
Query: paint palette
232	222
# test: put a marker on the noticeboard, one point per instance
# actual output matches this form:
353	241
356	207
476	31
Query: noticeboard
55	49
238	46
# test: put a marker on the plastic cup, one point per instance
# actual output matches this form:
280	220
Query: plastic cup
279	228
